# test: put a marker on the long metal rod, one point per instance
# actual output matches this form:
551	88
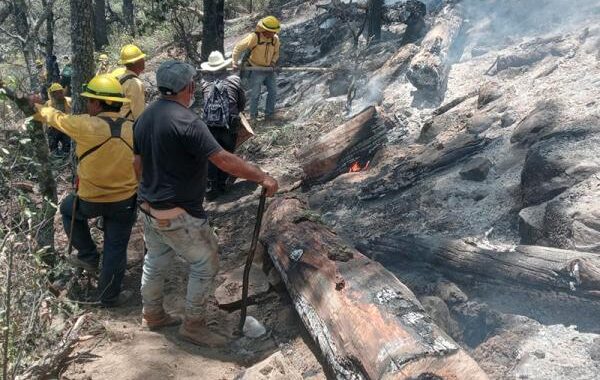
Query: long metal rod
289	69
249	258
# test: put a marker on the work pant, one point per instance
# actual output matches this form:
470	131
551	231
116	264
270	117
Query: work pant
257	79
227	139
192	239
119	218
55	137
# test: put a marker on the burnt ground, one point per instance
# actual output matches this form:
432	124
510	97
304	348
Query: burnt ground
512	332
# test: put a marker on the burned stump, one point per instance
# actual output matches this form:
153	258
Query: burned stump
367	324
347	148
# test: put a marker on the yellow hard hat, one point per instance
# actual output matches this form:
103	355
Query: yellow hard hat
130	54
270	24
39	62
103	57
105	87
55	87
118	72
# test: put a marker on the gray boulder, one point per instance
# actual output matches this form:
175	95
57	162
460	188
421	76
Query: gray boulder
539	122
477	169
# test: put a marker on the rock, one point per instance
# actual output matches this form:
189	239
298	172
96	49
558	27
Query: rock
540	121
488	93
229	293
561	160
450	293
531	224
275	367
507	119
481	122
477	169
253	328
440	313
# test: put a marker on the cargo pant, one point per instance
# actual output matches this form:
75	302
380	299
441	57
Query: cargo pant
192	239
257	79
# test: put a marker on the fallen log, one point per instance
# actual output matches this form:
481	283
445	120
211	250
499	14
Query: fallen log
355	141
543	268
430	160
428	69
393	67
367	324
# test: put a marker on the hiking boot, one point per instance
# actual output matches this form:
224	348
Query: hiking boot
76	262
196	331
123	299
156	321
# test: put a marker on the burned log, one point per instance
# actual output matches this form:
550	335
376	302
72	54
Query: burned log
430	160
393	67
429	68
367	324
354	142
543	268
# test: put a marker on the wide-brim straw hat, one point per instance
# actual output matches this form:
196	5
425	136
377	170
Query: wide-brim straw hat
216	62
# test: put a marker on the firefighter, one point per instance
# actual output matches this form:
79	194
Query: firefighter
58	100
133	88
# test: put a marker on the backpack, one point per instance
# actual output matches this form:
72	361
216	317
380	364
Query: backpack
216	106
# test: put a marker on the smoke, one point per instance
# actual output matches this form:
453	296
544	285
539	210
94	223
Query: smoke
497	22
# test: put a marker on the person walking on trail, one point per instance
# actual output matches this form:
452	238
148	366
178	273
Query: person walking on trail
223	100
103	66
66	74
172	149
263	45
107	183
133	88
58	100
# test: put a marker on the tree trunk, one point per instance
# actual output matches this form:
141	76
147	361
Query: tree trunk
100	34
82	45
367	324
49	32
375	14
129	16
429	68
213	28
551	269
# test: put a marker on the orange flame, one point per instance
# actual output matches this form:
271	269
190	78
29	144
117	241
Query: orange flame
355	167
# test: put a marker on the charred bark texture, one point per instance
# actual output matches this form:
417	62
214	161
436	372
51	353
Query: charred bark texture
129	16
375	16
367	324
429	68
551	269
354	141
100	33
213	28
82	44
430	160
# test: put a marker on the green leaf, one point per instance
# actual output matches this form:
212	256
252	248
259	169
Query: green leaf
24	141
5	151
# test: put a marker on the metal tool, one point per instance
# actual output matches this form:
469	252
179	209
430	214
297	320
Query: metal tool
249	258
288	69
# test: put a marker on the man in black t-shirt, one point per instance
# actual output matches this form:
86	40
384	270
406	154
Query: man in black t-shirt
172	148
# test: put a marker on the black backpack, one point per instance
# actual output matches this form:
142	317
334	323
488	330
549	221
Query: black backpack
216	106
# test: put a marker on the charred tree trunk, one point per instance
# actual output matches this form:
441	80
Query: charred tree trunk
100	33
49	32
213	28
375	15
367	324
82	44
129	17
429	68
576	273
355	141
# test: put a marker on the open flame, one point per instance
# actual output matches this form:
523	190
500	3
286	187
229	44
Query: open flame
356	167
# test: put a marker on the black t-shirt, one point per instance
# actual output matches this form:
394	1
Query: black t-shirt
174	145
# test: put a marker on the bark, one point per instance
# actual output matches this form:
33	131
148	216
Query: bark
357	140
100	33
129	17
213	28
392	68
367	324
82	45
49	32
551	269
429	68
375	14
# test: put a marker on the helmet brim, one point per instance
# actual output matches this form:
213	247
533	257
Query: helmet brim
132	60
109	98
272	30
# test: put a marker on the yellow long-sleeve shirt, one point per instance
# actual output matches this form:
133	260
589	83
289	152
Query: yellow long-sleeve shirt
264	51
133	89
106	175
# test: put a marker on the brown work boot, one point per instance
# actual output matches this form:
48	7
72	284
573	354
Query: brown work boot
156	321
196	331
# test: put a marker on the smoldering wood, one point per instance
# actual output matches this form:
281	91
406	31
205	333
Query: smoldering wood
544	268
430	160
429	68
367	324
453	103
355	140
393	67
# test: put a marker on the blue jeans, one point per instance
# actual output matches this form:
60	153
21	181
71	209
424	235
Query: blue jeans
119	218
192	239
257	79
